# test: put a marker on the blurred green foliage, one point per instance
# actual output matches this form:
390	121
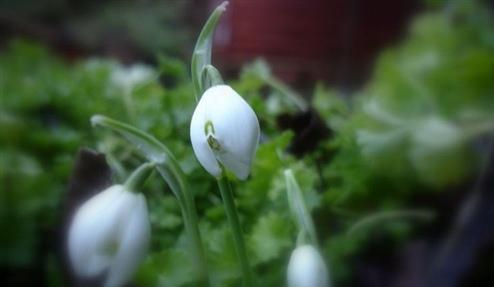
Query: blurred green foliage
412	130
120	27
415	129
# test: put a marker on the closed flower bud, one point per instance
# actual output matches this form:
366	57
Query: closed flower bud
307	268
224	131
110	232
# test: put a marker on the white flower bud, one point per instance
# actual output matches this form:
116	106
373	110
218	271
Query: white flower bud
110	232
224	130
307	268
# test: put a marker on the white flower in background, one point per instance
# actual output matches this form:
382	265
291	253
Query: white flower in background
129	77
110	232
224	130
307	268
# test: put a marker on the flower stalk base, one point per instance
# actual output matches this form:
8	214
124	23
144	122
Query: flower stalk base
231	213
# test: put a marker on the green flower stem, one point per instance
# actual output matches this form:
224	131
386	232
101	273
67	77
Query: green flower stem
299	210
192	225
138	177
231	213
129	104
210	77
302	238
170	170
378	218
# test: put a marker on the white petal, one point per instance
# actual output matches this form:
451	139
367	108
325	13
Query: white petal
84	233
134	240
95	230
307	268
235	125
240	168
199	143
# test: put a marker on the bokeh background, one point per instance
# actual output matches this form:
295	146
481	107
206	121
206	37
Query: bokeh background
384	110
303	41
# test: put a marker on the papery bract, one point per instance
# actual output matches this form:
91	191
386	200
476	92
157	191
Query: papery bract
224	131
110	232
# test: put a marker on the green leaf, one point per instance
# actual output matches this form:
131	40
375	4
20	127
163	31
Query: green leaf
270	237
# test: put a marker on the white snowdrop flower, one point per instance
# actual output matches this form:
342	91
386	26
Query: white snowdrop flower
110	232
306	268
224	131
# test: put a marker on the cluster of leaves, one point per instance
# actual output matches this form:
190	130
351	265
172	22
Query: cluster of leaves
45	112
411	130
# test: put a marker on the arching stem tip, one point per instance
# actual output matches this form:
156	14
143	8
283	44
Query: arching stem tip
139	176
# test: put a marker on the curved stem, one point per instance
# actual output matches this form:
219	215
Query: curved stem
231	213
191	222
139	176
192	225
170	170
299	209
390	215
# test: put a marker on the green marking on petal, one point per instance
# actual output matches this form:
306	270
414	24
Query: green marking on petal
214	143
208	128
